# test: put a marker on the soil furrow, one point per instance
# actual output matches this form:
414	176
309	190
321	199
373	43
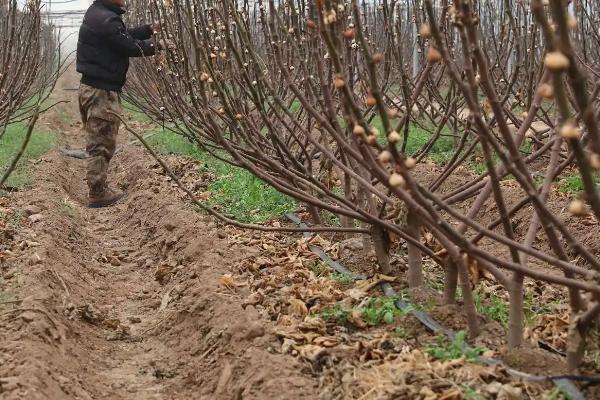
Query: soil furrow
126	302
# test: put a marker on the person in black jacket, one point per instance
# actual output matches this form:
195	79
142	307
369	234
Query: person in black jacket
103	51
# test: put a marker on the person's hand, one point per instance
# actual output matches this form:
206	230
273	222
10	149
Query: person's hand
166	44
156	27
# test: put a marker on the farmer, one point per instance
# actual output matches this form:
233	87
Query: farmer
103	52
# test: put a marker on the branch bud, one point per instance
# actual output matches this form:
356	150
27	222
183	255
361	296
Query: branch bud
577	208
434	55
572	22
595	161
546	90
392	113
371	101
377	58
394	137
570	132
372	140
358	130
425	31
396	180
556	61
385	156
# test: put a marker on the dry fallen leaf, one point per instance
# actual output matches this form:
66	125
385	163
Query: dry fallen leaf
312	324
229	281
326	341
112	323
451	394
297	307
508	392
427	393
252	300
312	352
355	319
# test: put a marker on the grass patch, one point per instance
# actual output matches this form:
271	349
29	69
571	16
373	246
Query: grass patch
16	219
236	191
556	394
135	113
4	296
493	307
534	308
441	150
451	350
343	278
479	168
378	311
319	269
247	198
571	184
574	184
67	208
382	310
471	393
337	313
171	143
41	141
496	308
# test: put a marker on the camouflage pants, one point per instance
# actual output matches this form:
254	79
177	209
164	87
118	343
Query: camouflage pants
102	127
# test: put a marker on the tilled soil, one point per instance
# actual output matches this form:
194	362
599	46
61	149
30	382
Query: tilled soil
126	302
150	299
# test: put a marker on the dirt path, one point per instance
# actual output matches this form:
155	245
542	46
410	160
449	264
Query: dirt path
126	302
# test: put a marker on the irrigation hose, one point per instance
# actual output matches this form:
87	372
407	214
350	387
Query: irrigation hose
562	382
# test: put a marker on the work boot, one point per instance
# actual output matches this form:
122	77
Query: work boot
105	198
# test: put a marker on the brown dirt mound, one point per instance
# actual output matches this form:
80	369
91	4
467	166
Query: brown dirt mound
127	302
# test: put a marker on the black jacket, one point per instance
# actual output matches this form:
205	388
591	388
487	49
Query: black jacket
105	45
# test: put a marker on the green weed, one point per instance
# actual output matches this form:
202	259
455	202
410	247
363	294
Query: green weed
329	219
533	307
526	148
494	307
248	198
171	143
437	284
597	362
574	184
344	278
238	192
337	313
135	113
479	168
441	157
382	310
571	184
319	269
556	394
417	137
379	310
497	309
4	295
16	219
472	394
295	106
451	350
401	332
67	208
41	141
